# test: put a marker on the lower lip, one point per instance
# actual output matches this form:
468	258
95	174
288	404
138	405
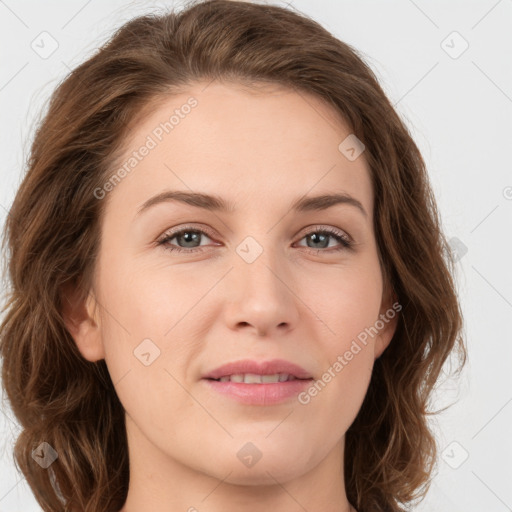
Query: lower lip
260	394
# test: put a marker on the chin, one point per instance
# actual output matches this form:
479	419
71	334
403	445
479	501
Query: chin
265	471
262	475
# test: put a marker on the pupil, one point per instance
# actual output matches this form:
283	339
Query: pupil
189	236
316	236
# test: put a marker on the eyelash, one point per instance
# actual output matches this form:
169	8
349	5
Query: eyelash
346	243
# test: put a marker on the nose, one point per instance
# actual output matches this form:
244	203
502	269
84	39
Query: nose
261	297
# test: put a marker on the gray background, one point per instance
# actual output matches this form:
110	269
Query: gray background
458	106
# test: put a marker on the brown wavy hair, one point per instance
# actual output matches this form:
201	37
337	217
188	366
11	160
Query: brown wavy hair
51	240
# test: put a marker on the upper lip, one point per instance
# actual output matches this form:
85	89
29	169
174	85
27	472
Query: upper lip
259	368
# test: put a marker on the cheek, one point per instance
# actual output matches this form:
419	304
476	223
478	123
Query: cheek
140	328
348	306
338	392
345	299
152	300
148	346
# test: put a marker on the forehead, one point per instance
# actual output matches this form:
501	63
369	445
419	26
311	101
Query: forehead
241	142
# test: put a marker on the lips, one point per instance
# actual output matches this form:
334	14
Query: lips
259	368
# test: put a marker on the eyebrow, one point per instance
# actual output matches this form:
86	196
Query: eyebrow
216	203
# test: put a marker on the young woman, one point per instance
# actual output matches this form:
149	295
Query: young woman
228	283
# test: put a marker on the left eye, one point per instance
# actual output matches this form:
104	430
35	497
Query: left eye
190	237
323	235
186	236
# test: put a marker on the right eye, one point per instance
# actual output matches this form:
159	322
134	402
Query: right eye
185	236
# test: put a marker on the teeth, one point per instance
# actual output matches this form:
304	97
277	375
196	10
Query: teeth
252	378
270	378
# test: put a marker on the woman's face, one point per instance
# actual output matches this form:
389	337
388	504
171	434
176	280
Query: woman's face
258	280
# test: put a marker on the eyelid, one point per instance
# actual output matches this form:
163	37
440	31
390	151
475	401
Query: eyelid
330	229
187	227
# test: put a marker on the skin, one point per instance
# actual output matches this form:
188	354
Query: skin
261	150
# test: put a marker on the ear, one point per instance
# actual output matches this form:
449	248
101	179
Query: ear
80	318
388	315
